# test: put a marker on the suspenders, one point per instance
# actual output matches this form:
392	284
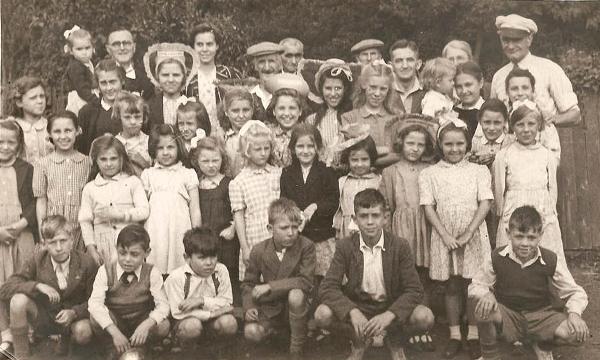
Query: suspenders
188	277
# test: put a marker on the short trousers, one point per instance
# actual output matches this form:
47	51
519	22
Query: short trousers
539	325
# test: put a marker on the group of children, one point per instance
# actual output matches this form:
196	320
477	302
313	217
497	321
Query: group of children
355	208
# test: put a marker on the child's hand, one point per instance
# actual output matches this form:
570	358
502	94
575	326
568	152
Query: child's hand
140	335
464	238
251	315
228	233
139	160
310	211
6	236
65	317
108	213
486	159
260	290
450	242
93	252
191	304
486	305
245	255
49	291
120	342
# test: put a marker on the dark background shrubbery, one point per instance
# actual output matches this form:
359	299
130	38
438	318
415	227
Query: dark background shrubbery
32	29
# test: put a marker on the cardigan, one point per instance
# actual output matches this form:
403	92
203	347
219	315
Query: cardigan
81	79
95	122
24	171
223	73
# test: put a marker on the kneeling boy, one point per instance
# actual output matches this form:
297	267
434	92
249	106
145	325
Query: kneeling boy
513	293
383	294
128	301
51	291
199	292
279	278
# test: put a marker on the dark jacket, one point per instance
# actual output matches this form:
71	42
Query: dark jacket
155	113
402	284
321	188
141	84
95	122
81	79
24	172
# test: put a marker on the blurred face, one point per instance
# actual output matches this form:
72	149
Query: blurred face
468	88
121	47
239	112
59	246
292	54
454	146
287	112
524	243
359	162
492	124
519	88
413	146
170	79
368	56
9	145
457	56
63	134
526	130
370	221
166	151
203	266
82	49
333	91
445	84
33	102
209	162
259	152
187	124
285	232
267	65
110	84
131	258
376	89
405	63
206	47
306	150
515	48
131	122
109	162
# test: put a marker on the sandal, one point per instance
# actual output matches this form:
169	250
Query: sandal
427	343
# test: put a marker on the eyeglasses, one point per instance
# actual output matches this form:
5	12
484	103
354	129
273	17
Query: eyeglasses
124	44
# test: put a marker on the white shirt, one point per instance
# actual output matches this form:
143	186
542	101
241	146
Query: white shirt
265	97
62	272
280	254
373	283
130	72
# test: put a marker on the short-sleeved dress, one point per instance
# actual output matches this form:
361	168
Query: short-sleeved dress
456	190
253	190
37	139
400	187
350	185
168	190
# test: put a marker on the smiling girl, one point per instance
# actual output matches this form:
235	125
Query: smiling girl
468	83
237	110
171	78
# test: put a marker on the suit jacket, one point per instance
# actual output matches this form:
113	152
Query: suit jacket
403	287
39	269
295	271
155	113
141	84
321	188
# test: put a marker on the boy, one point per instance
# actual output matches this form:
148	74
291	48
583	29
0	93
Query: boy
286	264
383	294
50	292
513	293
199	292
490	135
128	301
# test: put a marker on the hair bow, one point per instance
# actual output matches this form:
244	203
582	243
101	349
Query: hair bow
339	70
527	103
449	117
381	62
183	100
200	134
68	33
251	123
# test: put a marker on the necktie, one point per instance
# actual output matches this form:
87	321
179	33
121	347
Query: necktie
125	277
61	277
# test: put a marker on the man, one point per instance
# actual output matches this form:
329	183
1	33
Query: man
266	59
553	90
367	51
406	63
293	52
121	47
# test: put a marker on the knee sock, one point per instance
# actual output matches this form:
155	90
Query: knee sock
298	331
455	332
7	336
21	342
473	333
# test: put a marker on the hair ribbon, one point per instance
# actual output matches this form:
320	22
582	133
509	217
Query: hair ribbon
450	117
527	103
68	33
200	134
336	71
250	124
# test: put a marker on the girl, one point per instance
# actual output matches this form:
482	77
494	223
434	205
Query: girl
520	85
360	155
373	106
80	70
437	78
237	109
171	76
28	105
173	193
333	82
253	190
468	83
112	199
456	196
192	121
525	174
313	187
132	112
210	160
96	118
59	178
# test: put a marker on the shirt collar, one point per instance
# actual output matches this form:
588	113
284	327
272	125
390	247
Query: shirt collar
101	181
508	251
130	72
58	158
106	106
364	246
178	165
212	76
39	125
370	175
264	96
267	169
229	133
365	113
141	137
523	64
498	140
461	163
416	87
120	271
63	266
279	131
187	269
476	106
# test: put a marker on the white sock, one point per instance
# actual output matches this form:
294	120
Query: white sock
473	333
7	336
455	332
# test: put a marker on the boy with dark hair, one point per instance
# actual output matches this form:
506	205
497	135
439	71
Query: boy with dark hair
513	293
199	292
51	291
128	301
279	279
383	293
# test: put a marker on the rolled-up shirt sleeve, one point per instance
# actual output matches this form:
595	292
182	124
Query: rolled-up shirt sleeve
161	304
96	303
564	283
